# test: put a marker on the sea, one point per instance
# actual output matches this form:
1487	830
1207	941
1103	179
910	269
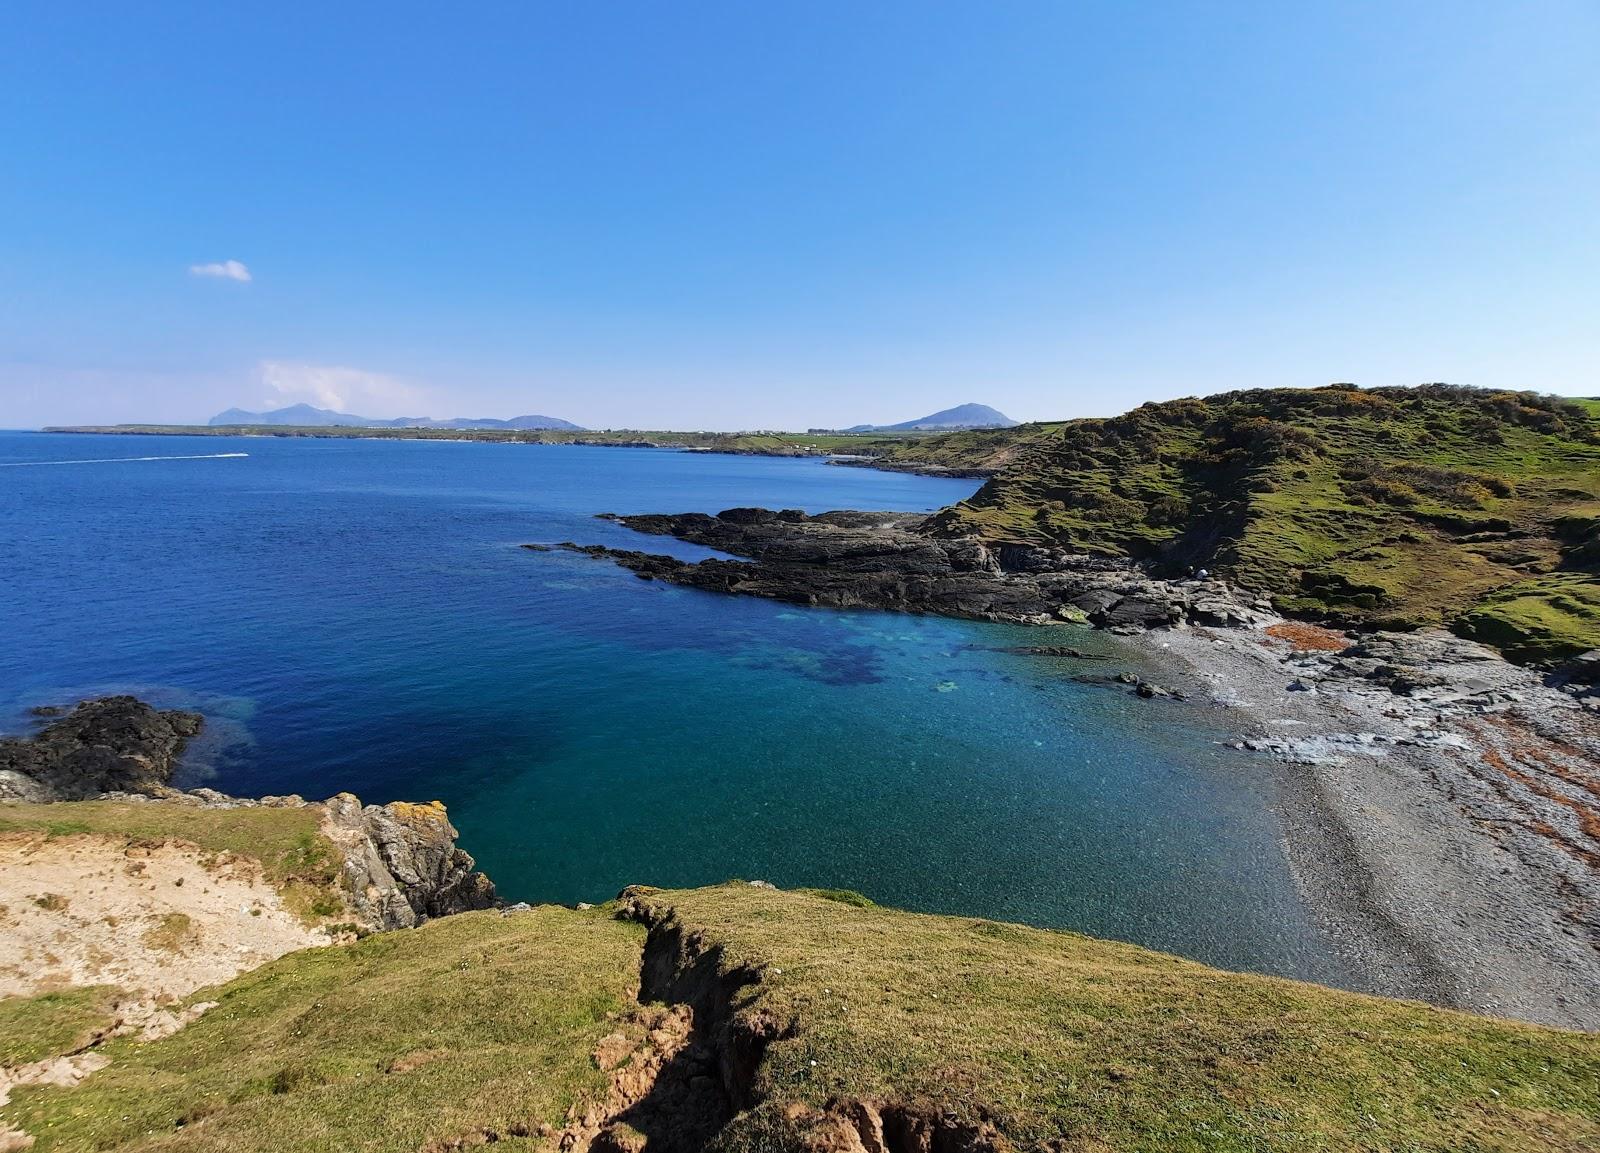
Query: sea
359	615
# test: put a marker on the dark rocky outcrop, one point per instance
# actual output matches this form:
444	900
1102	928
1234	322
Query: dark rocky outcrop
882	561
401	864
112	744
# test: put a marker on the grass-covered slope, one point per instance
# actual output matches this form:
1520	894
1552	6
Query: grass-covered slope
1403	506
33	1028
825	1017
474	1023
979	450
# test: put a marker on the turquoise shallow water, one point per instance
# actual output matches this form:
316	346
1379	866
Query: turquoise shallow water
357	615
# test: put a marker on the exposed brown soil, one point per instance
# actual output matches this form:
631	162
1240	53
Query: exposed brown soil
687	1067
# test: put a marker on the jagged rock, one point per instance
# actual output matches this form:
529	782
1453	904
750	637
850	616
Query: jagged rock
1421	675
402	865
113	744
1143	612
1141	687
1222	613
1046	651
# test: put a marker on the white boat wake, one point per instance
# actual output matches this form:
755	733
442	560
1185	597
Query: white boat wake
122	459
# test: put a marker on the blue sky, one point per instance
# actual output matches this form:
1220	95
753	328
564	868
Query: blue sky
775	215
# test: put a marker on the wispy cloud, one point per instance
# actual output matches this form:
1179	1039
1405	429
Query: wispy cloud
222	270
341	388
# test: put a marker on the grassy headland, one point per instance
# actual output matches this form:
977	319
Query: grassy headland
1400	506
481	1027
1394	506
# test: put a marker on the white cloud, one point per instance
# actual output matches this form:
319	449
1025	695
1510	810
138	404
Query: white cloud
343	389
222	270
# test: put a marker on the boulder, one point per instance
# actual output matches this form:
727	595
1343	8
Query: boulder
1583	669
1095	601
1144	612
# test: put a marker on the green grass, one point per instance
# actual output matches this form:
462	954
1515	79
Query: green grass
1543	619
172	933
1061	1037
48	1025
473	1023
843	896
480	1023
1400	507
294	855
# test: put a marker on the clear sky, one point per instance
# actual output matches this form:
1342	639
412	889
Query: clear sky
785	215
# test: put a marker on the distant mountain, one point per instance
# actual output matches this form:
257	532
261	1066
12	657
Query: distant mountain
950	419
307	416
299	414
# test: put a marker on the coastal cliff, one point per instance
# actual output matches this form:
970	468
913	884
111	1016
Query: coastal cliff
400	864
740	1018
204	972
198	1000
1473	509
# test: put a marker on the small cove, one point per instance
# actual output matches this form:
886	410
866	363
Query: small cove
359	615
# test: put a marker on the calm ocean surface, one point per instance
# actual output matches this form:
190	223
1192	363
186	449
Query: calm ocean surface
357	615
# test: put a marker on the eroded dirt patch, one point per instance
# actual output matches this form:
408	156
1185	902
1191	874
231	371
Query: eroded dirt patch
665	1094
160	920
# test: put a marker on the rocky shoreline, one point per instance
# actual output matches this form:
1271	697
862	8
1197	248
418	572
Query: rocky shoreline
401	865
1443	811
881	561
916	468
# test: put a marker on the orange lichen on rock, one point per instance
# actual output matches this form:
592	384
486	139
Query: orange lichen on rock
1314	638
430	814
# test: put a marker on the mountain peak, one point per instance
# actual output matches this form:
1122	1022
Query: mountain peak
946	420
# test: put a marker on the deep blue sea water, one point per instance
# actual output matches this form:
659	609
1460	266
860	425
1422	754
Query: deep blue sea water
358	615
